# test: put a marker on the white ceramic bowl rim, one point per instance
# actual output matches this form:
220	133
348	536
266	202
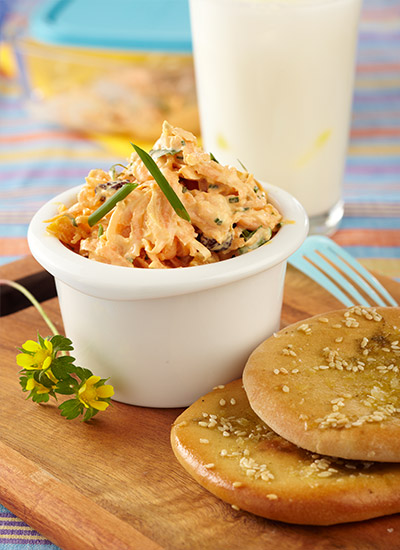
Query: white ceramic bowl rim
124	283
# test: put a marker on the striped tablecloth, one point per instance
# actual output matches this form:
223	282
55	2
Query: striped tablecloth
38	161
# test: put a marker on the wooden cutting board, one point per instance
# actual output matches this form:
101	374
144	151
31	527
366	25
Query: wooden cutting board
114	483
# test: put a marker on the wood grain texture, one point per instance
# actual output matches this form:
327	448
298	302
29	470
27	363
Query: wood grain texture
115	484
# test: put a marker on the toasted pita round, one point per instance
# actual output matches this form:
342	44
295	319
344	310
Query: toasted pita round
222	443
331	383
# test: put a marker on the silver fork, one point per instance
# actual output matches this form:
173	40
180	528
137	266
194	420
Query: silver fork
326	263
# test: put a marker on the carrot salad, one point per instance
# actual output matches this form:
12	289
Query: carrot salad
229	211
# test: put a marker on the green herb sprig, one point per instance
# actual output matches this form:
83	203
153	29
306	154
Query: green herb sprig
113	169
213	158
158	153
105	208
162	182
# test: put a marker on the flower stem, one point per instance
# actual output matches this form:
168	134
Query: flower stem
33	301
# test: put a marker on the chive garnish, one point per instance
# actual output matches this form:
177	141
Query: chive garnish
73	220
101	230
218	221
246	233
162	182
213	158
106	207
112	170
157	153
233	199
242	165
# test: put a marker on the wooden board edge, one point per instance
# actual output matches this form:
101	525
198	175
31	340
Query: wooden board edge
51	508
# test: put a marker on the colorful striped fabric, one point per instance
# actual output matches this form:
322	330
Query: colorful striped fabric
38	161
370	229
16	535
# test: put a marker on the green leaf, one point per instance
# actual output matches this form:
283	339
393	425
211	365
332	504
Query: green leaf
82	374
90	412
162	182
23	381
64	360
242	165
106	207
39	397
44	380
61	368
67	386
157	153
61	343
41	341
71	408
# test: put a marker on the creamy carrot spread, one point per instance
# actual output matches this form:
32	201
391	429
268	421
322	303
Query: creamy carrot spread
229	211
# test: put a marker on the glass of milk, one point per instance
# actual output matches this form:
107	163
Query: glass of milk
275	85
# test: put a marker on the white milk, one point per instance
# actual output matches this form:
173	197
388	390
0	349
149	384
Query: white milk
274	83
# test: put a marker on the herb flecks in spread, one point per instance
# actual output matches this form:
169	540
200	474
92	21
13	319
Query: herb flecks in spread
228	211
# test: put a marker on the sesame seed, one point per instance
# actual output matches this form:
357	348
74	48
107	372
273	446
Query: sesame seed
237	484
235	507
205	441
364	342
272	496
326	473
222	402
323	320
210	466
305	327
233	401
285	389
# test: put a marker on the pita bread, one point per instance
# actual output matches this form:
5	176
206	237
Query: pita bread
331	384
222	443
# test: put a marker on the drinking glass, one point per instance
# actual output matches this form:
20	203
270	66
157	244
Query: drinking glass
275	84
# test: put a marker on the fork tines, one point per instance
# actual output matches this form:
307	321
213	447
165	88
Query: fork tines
339	273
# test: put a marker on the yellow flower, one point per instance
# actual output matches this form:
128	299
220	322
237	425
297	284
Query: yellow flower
37	357
32	384
90	394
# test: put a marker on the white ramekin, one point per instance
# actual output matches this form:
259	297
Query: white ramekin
164	337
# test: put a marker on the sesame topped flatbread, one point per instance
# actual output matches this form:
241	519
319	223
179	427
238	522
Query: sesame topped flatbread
223	444
331	384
